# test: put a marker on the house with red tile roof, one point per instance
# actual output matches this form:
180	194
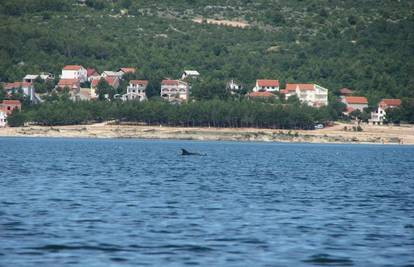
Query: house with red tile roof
136	90
345	92
266	85
92	74
77	72
24	87
355	103
175	90
312	94
261	95
8	106
379	115
389	103
126	70
72	84
111	80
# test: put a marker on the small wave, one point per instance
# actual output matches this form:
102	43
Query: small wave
90	221
325	259
186	247
7	203
117	259
57	247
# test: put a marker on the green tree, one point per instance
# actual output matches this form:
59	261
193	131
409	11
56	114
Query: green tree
407	110
394	115
104	90
16	118
2	92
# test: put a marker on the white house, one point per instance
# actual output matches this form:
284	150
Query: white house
136	90
26	88
173	90
108	73
266	85
3	118
74	72
126	70
190	74
355	103
30	78
111	80
233	86
92	74
379	115
311	94
47	76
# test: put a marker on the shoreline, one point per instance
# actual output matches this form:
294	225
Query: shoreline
403	135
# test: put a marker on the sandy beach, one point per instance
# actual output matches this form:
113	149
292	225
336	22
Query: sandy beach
336	134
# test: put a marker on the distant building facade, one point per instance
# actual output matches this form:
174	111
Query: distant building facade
266	85
3	118
379	115
25	88
126	70
113	81
136	90
74	72
346	92
8	106
30	78
175	90
355	103
187	74
234	87
312	94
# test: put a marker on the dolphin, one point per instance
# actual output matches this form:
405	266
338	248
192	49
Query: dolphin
184	152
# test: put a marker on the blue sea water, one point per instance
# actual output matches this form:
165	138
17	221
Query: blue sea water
90	202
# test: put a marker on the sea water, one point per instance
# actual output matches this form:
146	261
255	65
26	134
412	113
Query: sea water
91	202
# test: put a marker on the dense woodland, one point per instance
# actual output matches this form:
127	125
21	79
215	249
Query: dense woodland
363	45
211	113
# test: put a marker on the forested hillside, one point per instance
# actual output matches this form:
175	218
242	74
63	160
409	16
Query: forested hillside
364	45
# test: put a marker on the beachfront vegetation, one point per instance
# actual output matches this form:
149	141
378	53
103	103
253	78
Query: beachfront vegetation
210	113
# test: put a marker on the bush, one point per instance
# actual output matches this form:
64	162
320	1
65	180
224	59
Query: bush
16	119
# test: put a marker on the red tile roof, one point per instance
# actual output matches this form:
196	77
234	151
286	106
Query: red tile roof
349	109
68	83
139	82
95	82
14	85
300	86
11	102
72	67
261	94
127	70
390	103
111	80
268	83
346	91
356	100
91	71
170	82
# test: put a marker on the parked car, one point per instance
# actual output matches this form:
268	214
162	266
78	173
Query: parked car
319	126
